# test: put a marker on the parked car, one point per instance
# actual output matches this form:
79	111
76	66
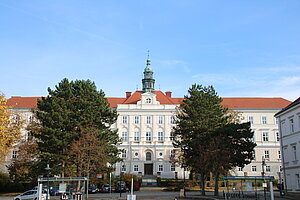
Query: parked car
31	195
93	188
121	187
105	188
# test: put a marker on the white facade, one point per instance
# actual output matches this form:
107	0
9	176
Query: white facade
266	136
289	124
27	116
145	130
145	127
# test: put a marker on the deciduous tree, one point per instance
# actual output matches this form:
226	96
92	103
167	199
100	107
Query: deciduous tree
24	167
10	128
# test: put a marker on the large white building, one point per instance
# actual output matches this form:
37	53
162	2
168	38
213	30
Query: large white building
145	123
289	126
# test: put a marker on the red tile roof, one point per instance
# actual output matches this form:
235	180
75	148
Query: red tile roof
255	103
234	103
294	103
22	102
160	96
113	101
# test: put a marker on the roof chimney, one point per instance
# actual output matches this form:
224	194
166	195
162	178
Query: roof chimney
128	94
169	94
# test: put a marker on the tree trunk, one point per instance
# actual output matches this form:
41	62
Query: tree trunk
63	171
202	184
217	175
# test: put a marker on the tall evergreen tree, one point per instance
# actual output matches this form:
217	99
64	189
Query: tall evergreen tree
199	115
62	117
232	146
210	136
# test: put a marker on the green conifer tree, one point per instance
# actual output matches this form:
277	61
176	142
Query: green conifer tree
74	106
199	115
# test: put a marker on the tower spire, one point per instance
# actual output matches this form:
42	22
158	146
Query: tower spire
148	80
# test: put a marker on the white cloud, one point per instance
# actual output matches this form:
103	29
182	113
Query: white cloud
289	81
285	69
175	64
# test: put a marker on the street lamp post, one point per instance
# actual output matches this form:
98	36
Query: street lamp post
48	173
184	167
263	163
120	179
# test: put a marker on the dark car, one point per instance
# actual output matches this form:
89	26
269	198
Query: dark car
121	187
105	188
93	188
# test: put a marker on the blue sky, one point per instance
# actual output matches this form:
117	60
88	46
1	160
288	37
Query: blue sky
242	48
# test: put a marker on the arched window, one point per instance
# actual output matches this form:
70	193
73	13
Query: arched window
148	156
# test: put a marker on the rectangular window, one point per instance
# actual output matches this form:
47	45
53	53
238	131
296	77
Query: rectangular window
124	154
136	136
136	168
264	120
279	154
30	118
124	136
267	155
240	169
254	155
160	137
173	120
253	168
171	136
268	168
294	149
172	167
292	125
160	168
298	181
148	136
265	136
136	119
14	154
160	119
277	136
123	168
148	120
173	153
250	119
125	119
253	138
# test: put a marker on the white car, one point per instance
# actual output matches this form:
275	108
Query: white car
30	195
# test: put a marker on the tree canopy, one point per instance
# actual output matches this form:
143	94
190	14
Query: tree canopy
10	128
206	136
64	116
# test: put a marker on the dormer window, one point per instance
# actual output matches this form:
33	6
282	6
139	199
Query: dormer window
148	100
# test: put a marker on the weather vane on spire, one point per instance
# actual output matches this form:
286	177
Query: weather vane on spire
148	54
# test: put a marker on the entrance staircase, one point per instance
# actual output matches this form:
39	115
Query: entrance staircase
149	180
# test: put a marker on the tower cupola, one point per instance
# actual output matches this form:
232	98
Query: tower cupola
148	80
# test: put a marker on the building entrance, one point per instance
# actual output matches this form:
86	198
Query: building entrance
148	169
